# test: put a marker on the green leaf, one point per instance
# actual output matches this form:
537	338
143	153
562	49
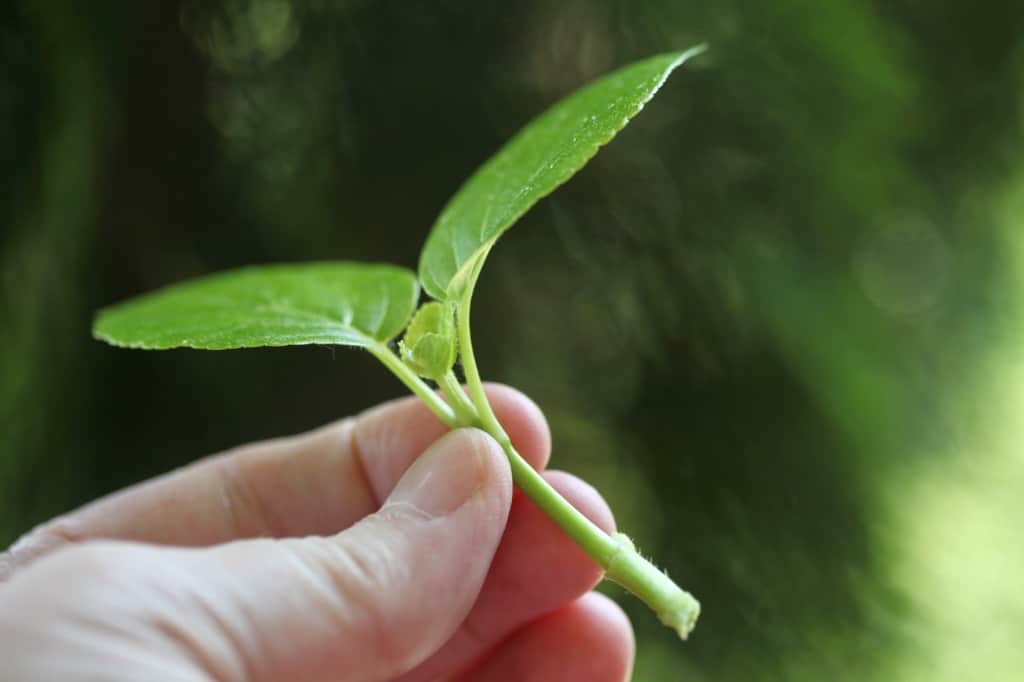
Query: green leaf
542	156
349	304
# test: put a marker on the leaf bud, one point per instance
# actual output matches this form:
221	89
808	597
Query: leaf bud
429	347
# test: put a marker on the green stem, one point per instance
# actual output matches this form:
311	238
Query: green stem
616	554
443	410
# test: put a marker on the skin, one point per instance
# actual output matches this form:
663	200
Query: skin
376	548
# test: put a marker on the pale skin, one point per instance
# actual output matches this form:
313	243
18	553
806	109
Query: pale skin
376	548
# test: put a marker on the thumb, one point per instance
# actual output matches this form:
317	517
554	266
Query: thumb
373	601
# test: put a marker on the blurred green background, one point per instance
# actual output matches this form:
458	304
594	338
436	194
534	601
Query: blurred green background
778	322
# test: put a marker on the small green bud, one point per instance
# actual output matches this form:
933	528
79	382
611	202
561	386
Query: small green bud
429	346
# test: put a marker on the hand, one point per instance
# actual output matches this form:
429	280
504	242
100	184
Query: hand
377	548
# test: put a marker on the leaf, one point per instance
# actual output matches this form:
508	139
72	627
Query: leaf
349	304
542	156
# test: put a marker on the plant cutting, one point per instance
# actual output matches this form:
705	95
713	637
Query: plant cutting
369	306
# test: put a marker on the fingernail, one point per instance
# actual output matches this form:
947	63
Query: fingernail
444	477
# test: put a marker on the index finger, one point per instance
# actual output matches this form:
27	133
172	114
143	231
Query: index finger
318	483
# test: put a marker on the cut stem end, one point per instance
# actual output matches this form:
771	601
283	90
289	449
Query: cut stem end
674	606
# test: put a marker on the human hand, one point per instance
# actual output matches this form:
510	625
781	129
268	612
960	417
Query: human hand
376	548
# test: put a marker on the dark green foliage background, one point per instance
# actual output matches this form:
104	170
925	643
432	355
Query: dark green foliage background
774	322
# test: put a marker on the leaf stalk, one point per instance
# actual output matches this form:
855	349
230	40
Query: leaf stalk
465	410
443	410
